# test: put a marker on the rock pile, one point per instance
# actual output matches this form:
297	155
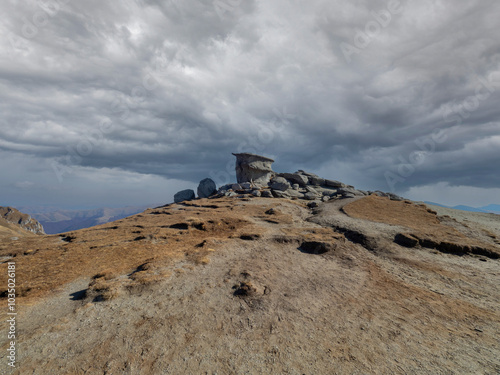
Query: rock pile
257	179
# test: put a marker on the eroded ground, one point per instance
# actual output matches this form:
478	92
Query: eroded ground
258	286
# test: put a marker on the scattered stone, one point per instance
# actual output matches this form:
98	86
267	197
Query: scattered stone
253	168
280	194
184	195
295	186
279	183
256	193
325	198
330	192
308	174
348	195
271	211
246	185
206	188
267	194
394	197
351	191
313	204
309	189
295	193
310	196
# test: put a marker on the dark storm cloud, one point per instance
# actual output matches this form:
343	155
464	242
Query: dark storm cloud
171	88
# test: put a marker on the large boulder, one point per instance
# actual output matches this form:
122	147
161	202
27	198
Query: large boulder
253	168
279	183
206	188
184	195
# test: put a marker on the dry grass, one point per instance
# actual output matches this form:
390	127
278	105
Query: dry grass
157	236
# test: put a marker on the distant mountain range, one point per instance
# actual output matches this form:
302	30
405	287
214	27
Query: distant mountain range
491	208
59	221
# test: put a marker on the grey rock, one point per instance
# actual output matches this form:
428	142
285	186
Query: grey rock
313	204
310	196
309	189
225	188
325	198
318	181
256	193
294	193
251	167
329	192
394	197
206	188
348	195
184	195
231	194
246	185
300	171
295	178
335	184
295	186
279	183
236	187
351	191
280	194
266	194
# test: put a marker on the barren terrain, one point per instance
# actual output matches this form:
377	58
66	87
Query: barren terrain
260	286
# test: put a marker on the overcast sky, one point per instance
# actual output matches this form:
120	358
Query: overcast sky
126	102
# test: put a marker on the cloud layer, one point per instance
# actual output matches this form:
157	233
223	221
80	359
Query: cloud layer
390	95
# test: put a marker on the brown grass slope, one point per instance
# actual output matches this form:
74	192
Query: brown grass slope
259	286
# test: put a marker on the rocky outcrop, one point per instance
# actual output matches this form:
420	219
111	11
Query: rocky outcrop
255	178
253	168
25	221
206	188
184	195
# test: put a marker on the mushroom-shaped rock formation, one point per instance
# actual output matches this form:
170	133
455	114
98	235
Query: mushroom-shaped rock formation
253	168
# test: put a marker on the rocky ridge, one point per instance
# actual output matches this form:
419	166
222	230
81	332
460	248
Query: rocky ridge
256	178
25	221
